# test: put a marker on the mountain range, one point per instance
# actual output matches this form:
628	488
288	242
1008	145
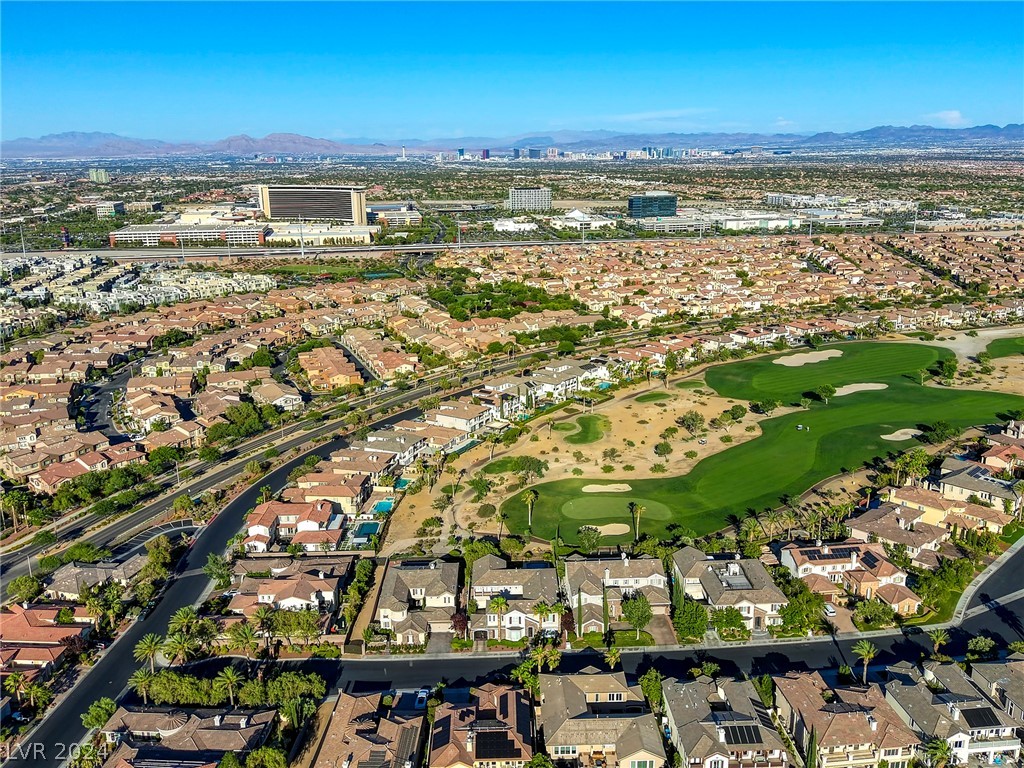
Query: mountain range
79	145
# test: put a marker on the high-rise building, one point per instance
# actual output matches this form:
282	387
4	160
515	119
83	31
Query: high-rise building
534	154
99	175
516	153
108	208
462	153
329	203
485	154
652	204
529	199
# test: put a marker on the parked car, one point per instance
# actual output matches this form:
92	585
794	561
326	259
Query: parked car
830	610
421	698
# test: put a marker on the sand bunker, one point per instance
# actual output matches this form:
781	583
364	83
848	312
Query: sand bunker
805	358
901	434
613	529
849	389
608	488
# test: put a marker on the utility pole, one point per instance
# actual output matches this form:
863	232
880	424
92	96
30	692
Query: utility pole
21	229
302	244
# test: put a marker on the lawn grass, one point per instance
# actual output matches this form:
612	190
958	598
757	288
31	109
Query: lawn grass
943	611
653	397
1006	347
592	427
622	638
564	426
689	384
783	460
500	466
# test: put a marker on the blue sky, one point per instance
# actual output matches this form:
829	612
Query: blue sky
198	71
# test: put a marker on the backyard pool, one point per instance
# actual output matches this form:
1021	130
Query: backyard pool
365	530
401	485
384	505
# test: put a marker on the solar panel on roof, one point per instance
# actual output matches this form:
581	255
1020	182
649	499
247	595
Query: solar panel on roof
495	744
742	734
983	717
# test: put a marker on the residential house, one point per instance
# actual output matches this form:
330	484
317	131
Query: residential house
1003	682
720	724
463	416
314	525
363	734
522	590
68	581
593	719
853	726
969	481
279	395
417	598
948	513
38	625
744	584
494	729
303	591
599	585
941	702
894	524
149	736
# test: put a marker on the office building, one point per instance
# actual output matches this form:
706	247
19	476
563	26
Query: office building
151	235
485	154
529	198
534	154
99	175
346	204
394	215
517	153
108	208
651	205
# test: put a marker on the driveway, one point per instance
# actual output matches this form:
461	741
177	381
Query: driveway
843	619
662	631
440	642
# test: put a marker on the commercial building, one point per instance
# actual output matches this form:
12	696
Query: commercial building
395	215
183	234
108	208
316	235
99	175
300	201
651	205
529	198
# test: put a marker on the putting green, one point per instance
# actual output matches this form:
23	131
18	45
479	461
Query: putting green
592	428
599	509
653	397
564	426
784	460
1006	347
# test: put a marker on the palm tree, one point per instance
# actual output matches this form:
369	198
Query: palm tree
492	441
498	605
638	513
148	648
228	679
530	498
939	638
546	656
749	527
558	609
265	618
865	651
140	681
16	683
542	609
501	517
788	520
38	695
242	637
939	752
613	657
184	621
773	522
179	648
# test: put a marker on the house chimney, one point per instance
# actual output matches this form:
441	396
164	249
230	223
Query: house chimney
607	574
824	549
873	723
954	711
320	574
217	720
244	722
853	558
721	734
817	542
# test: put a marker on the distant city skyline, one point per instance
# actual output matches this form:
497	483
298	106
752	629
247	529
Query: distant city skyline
201	71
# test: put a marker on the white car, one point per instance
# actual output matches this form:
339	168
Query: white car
830	610
421	698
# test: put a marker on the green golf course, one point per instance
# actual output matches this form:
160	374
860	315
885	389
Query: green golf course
1006	347
841	435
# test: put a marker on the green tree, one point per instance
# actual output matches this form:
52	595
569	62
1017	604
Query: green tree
24	589
636	609
140	682
825	392
588	538
690	619
939	752
99	713
16	683
228	680
939	638
530	498
650	684
692	421
866	651
266	757
219	569
612	657
148	648
242	637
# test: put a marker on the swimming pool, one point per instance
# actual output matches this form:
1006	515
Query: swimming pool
365	530
384	505
401	485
